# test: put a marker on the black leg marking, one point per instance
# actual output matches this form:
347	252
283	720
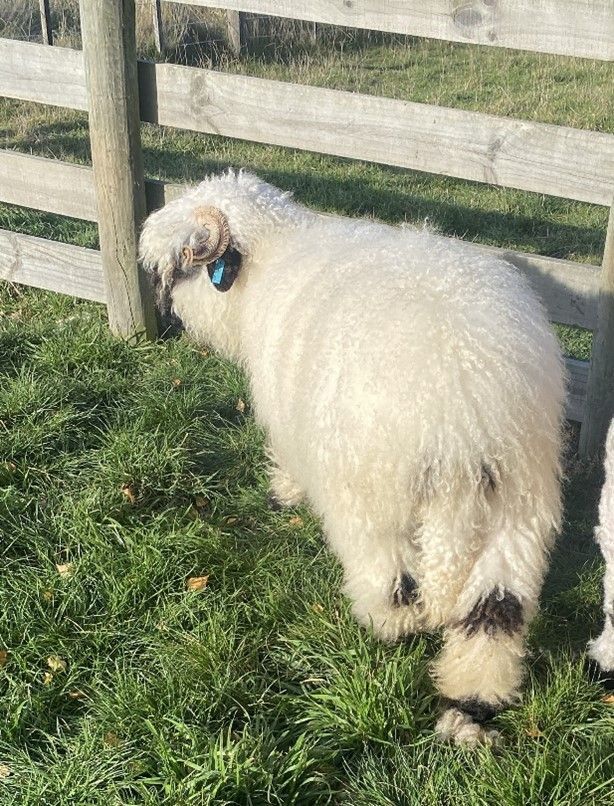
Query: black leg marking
494	612
406	591
274	503
478	710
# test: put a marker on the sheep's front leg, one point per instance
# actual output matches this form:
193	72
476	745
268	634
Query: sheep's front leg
283	490
601	650
480	668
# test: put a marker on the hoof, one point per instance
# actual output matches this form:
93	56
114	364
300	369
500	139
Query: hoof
457	726
405	591
274	503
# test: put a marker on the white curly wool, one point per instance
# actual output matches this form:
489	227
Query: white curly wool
602	648
412	390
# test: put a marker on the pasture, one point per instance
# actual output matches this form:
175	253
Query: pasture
165	637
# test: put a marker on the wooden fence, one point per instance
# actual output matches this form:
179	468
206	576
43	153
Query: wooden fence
106	80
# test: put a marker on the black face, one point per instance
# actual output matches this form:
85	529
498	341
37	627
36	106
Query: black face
169	324
224	271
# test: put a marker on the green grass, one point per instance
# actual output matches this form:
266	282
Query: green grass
136	467
259	688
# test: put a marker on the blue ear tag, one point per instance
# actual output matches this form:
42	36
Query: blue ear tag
218	271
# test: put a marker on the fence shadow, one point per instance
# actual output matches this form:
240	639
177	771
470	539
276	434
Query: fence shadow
358	196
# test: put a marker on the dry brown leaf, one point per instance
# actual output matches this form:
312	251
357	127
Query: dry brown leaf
8	467
533	732
176	382
111	739
56	663
240	405
65	569
197	583
205	353
5	771
317	608
129	491
296	521
47	679
608	699
4	655
200	502
231	520
77	694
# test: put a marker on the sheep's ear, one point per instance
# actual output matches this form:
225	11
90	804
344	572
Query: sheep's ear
225	269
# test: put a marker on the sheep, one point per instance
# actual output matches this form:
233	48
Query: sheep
601	649
411	389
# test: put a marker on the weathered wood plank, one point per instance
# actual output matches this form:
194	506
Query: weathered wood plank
47	184
35	72
557	160
577	377
600	390
46	28
539	157
51	265
236	30
567	27
63	187
158	27
109	43
569	290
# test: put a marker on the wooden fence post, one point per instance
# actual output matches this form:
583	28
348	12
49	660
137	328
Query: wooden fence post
600	389
158	29
46	28
237	31
109	50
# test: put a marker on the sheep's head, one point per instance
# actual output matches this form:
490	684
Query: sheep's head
208	241
177	243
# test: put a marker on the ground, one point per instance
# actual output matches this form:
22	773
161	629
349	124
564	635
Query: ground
167	638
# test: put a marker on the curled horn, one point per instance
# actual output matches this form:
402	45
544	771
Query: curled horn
216	240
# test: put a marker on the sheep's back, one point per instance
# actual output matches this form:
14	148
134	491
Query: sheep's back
381	344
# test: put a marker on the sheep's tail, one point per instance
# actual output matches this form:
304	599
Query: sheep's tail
449	542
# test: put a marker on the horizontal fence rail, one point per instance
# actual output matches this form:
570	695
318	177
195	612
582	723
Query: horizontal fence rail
544	158
538	157
77	271
568	290
566	27
53	266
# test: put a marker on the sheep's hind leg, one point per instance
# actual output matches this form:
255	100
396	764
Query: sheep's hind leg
383	591
480	669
